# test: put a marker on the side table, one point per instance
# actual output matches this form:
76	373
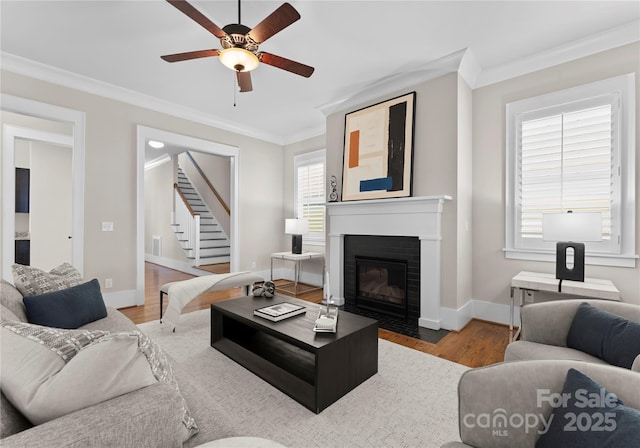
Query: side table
536	281
297	259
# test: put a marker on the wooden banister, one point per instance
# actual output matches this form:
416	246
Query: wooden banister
206	179
184	199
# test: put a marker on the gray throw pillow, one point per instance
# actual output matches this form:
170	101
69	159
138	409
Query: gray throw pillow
42	365
32	281
11	299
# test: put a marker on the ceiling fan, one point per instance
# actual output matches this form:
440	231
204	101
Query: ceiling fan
240	43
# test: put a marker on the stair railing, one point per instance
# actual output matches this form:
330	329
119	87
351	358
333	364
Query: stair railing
209	184
188	222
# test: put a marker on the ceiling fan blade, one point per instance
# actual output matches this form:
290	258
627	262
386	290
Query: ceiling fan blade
190	55
278	20
198	17
244	81
286	64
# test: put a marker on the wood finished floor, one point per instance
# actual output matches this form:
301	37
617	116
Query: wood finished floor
478	344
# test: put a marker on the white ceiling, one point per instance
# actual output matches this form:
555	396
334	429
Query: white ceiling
351	44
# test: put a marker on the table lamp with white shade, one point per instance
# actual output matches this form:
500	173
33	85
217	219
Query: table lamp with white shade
296	228
570	231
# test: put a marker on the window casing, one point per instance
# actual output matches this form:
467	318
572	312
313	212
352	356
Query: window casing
310	193
573	150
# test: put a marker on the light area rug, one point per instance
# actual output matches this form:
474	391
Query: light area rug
411	402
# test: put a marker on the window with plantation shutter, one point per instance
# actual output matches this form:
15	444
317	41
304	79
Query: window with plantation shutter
310	197
568	151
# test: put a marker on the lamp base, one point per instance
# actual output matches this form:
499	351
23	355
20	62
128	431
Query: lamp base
562	271
296	244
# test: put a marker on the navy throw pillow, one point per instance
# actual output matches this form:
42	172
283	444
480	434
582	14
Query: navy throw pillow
591	417
68	308
605	335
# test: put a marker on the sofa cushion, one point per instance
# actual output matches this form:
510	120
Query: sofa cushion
41	365
525	351
68	308
605	336
32	281
11	299
590	416
12	420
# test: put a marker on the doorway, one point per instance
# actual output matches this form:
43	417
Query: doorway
144	134
62	141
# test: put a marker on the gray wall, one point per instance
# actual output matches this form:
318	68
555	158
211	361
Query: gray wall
110	173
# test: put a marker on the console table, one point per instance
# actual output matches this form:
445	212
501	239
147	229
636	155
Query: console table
536	281
297	259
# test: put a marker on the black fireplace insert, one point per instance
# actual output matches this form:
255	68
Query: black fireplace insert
381	285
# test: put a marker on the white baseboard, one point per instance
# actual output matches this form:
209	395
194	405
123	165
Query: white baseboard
120	299
453	319
495	312
456	319
430	323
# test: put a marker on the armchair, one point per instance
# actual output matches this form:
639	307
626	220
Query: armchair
545	327
492	399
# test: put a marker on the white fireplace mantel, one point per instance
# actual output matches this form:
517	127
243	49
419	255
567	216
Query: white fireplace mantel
415	216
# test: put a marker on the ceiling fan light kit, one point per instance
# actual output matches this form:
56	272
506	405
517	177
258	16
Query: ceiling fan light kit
240	43
239	59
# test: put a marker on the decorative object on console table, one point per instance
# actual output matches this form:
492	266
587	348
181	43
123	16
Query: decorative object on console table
279	311
296	228
378	150
333	186
570	231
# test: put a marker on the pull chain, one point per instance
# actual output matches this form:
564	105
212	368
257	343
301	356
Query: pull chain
235	89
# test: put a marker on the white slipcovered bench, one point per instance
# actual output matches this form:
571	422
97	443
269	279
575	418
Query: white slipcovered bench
182	292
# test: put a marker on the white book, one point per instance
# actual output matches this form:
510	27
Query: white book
279	311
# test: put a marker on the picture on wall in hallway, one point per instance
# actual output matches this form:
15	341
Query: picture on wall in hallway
378	150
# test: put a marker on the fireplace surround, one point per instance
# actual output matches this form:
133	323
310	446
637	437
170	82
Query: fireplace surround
417	217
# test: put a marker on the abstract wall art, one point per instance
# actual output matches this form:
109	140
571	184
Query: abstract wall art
378	150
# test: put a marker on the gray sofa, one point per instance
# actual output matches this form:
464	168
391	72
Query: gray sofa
148	417
512	389
545	327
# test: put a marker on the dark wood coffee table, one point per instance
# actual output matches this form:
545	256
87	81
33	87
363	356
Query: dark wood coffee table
315	369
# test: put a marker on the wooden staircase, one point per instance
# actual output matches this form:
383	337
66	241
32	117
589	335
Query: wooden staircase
214	244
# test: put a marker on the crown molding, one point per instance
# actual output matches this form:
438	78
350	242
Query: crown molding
397	82
596	43
305	135
27	67
465	63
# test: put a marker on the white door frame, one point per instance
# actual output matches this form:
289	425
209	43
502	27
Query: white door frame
46	111
144	134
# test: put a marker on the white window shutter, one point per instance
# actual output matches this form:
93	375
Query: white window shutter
566	164
310	194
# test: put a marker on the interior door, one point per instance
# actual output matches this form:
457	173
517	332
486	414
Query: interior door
46	225
50	208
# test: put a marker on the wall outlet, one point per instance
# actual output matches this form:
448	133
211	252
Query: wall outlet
529	296
107	226
108	283
253	265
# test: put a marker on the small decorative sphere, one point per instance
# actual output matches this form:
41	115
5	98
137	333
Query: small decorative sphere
269	289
